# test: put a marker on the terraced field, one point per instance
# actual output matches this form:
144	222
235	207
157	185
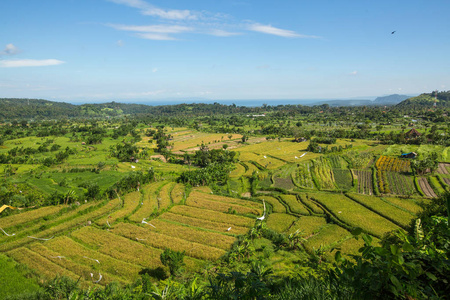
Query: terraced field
426	188
364	178
354	214
92	243
113	240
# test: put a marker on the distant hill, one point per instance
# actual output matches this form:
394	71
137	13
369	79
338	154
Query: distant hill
385	100
335	103
12	108
427	100
390	100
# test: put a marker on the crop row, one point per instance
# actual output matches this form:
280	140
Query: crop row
364	181
195	139
327	236
149	202
211	215
122	248
194	195
148	236
349	246
337	162
41	265
390	212
196	235
277	207
200	202
400	184
269	162
164	200
28	216
178	193
250	169
280	222
304	198
83	269
393	164
238	171
203	189
69	249
48	228
406	204
323	174
201	223
343	178
131	201
294	204
70	220
426	188
302	175
354	214
308	225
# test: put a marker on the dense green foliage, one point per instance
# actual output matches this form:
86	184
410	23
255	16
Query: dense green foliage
255	202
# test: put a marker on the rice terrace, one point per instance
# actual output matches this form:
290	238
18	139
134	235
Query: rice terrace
293	194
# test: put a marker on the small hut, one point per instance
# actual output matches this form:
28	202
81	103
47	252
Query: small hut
412	134
409	155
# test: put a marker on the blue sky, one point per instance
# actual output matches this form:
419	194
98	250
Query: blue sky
139	50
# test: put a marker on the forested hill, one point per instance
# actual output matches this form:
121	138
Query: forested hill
425	100
38	109
44	109
25	109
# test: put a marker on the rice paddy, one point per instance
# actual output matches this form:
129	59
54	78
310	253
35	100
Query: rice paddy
129	233
354	214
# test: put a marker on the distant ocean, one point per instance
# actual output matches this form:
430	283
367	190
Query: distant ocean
249	103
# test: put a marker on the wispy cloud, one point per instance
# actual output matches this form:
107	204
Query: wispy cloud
354	73
151	10
153	28
222	33
154	32
203	22
269	29
10	49
155	36
172	14
16	63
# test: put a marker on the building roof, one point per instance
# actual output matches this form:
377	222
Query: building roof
413	132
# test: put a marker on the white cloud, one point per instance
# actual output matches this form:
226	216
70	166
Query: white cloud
29	63
151	10
10	49
154	32
154	70
353	73
171	14
222	33
153	28
193	22
269	29
155	36
120	43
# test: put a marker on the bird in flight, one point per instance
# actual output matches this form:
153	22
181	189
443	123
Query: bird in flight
393	31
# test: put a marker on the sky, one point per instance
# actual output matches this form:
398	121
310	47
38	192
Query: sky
91	51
